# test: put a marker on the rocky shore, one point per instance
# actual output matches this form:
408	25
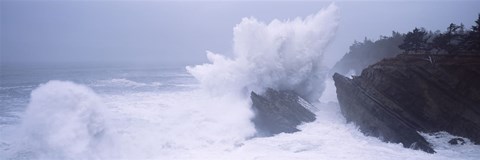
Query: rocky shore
279	111
396	98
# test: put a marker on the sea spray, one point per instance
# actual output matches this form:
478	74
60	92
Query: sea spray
178	125
283	55
62	121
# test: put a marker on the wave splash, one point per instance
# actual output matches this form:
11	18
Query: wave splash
62	121
284	55
122	82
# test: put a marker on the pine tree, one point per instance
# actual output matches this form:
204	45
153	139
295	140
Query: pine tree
450	41
415	41
472	40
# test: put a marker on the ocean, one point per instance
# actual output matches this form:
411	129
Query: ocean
86	112
194	112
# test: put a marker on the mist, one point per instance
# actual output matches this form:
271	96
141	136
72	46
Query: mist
164	33
239	80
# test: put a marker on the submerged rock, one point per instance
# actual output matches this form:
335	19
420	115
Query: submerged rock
395	98
279	111
456	141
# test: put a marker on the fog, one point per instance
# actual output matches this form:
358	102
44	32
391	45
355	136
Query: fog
204	80
168	33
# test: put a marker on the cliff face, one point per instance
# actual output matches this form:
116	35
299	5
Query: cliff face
395	98
279	111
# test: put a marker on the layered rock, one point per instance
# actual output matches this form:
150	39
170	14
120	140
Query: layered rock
395	98
279	111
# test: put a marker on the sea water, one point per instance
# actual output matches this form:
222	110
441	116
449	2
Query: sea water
193	112
162	113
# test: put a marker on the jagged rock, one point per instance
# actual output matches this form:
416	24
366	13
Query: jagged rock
456	141
279	111
395	98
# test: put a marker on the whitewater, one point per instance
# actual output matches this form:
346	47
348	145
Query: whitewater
194	112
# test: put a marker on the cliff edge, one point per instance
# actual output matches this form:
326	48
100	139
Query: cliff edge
396	98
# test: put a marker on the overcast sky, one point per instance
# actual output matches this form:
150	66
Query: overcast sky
153	32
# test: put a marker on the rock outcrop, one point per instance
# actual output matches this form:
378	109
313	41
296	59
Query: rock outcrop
279	111
395	98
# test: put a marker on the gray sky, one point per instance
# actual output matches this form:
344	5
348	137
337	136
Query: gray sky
153	32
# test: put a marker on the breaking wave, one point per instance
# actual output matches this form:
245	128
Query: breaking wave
284	55
62	121
125	83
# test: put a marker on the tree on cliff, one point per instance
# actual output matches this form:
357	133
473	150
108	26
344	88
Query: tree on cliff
451	41
455	40
415	41
472	41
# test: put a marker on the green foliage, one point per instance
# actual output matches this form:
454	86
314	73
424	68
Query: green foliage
415	41
455	40
451	41
472	40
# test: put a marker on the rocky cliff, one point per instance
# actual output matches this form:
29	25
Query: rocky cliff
279	111
395	98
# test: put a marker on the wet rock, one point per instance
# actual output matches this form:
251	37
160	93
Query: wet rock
456	141
395	98
279	111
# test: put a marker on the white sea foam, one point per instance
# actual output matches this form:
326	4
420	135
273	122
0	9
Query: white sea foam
281	55
16	87
66	121
122	82
195	125
119	82
330	93
69	121
62	121
188	124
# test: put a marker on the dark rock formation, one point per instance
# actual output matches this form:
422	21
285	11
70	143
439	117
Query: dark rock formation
395	98
279	111
456	141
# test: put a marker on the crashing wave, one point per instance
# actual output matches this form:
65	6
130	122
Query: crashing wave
282	55
62	121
